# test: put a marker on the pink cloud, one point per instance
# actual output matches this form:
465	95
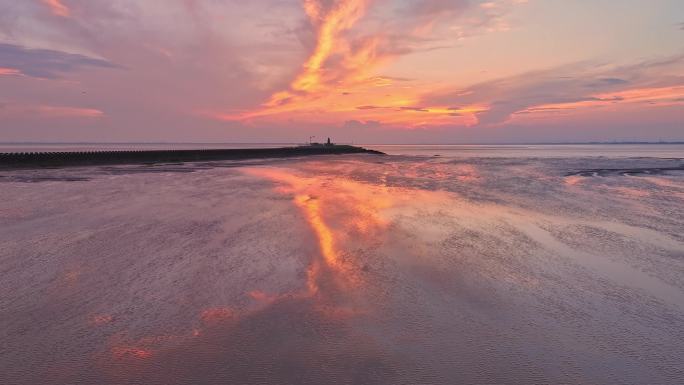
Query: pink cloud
58	8
9	71
49	111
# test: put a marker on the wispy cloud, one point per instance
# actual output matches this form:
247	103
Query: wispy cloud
657	96
48	111
9	71
576	86
57	7
45	63
329	20
353	41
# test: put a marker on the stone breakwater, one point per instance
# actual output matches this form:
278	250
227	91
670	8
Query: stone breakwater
63	159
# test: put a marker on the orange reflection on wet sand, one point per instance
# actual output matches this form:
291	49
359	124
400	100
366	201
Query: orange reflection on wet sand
573	180
71	276
335	210
131	352
262	297
312	209
128	350
342	214
101	319
630	192
463	172
217	314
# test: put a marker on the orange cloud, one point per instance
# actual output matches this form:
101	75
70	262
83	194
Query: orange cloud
58	8
340	16
337	78
410	116
330	20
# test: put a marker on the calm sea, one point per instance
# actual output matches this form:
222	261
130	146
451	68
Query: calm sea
538	150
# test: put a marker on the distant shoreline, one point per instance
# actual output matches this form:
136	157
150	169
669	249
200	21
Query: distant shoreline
526	144
32	160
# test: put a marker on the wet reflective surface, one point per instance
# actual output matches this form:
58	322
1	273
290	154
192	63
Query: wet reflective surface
344	270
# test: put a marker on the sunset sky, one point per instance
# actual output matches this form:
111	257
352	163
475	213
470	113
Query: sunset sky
368	71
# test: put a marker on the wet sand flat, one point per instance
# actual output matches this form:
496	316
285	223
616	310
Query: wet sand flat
354	269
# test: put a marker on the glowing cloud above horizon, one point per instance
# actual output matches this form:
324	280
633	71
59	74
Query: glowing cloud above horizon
58	8
329	19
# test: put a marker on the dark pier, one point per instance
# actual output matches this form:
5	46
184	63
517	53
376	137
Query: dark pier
66	159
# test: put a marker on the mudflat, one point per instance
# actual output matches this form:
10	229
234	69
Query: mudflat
354	269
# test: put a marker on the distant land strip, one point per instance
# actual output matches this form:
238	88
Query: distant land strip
66	159
626	171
